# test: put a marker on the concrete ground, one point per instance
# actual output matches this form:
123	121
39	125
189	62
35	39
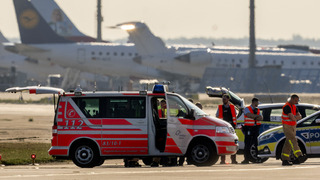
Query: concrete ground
113	169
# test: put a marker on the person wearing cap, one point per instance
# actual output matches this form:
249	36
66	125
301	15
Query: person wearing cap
227	112
290	116
199	105
252	123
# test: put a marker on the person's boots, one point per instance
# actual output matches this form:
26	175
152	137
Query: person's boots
233	159
302	158
223	159
286	163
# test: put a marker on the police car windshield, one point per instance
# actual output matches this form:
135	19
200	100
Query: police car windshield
190	105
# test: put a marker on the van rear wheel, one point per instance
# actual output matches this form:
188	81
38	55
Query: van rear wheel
202	154
85	156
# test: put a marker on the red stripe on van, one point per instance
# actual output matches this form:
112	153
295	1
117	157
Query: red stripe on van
115	122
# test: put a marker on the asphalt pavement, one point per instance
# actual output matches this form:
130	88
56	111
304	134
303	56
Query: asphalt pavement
114	169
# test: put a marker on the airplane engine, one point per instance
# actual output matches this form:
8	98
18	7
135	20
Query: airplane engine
196	58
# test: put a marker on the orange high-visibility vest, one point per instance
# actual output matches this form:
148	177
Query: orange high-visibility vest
233	113
250	122
285	117
160	113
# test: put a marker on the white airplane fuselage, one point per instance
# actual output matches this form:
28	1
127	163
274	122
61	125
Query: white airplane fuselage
100	58
115	60
285	60
33	69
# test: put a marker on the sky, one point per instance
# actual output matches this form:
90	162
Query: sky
275	19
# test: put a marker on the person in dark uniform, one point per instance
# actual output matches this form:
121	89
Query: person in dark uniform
252	123
227	112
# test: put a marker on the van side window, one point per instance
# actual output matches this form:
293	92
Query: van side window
126	107
176	107
112	107
90	107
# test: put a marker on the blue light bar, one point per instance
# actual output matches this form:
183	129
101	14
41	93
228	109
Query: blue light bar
158	88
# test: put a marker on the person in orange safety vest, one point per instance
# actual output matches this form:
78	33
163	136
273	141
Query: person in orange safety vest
163	109
227	112
290	116
252	122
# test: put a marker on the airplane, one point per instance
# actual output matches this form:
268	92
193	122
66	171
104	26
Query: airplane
31	67
154	53
40	71
153	60
40	42
151	53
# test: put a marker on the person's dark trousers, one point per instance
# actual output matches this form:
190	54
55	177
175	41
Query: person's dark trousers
251	137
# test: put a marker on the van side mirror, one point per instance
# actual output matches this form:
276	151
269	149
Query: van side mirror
191	114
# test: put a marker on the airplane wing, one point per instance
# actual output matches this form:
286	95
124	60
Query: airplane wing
36	90
21	48
145	41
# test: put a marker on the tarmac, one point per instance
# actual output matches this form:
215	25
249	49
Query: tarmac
114	169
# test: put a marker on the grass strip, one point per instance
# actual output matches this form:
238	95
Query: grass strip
20	153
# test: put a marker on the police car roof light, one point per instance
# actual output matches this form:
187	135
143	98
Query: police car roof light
158	88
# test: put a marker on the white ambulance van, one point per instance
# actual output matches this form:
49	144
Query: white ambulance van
90	127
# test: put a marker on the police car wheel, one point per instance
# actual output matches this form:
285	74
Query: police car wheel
254	156
202	154
85	156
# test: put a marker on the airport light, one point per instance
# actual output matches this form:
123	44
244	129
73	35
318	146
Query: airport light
128	27
33	157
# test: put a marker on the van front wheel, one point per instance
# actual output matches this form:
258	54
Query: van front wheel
202	154
85	156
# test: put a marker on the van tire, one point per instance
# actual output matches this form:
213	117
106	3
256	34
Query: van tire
100	162
85	155
202	154
147	161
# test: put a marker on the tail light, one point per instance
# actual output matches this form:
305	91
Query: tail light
54	130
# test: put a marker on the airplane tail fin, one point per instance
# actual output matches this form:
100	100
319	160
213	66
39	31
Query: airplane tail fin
33	28
145	41
59	21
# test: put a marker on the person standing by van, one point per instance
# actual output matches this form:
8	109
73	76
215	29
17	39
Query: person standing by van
252	123
227	112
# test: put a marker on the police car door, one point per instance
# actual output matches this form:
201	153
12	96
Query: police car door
178	135
308	131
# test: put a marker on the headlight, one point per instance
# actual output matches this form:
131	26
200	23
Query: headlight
267	136
223	129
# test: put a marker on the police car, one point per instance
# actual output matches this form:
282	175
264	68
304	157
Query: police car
270	142
271	113
90	127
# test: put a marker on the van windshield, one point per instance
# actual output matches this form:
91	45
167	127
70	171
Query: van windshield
190	105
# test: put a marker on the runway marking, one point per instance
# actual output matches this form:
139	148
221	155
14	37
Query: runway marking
145	171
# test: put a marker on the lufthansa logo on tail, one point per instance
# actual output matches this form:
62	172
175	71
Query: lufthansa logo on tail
29	19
